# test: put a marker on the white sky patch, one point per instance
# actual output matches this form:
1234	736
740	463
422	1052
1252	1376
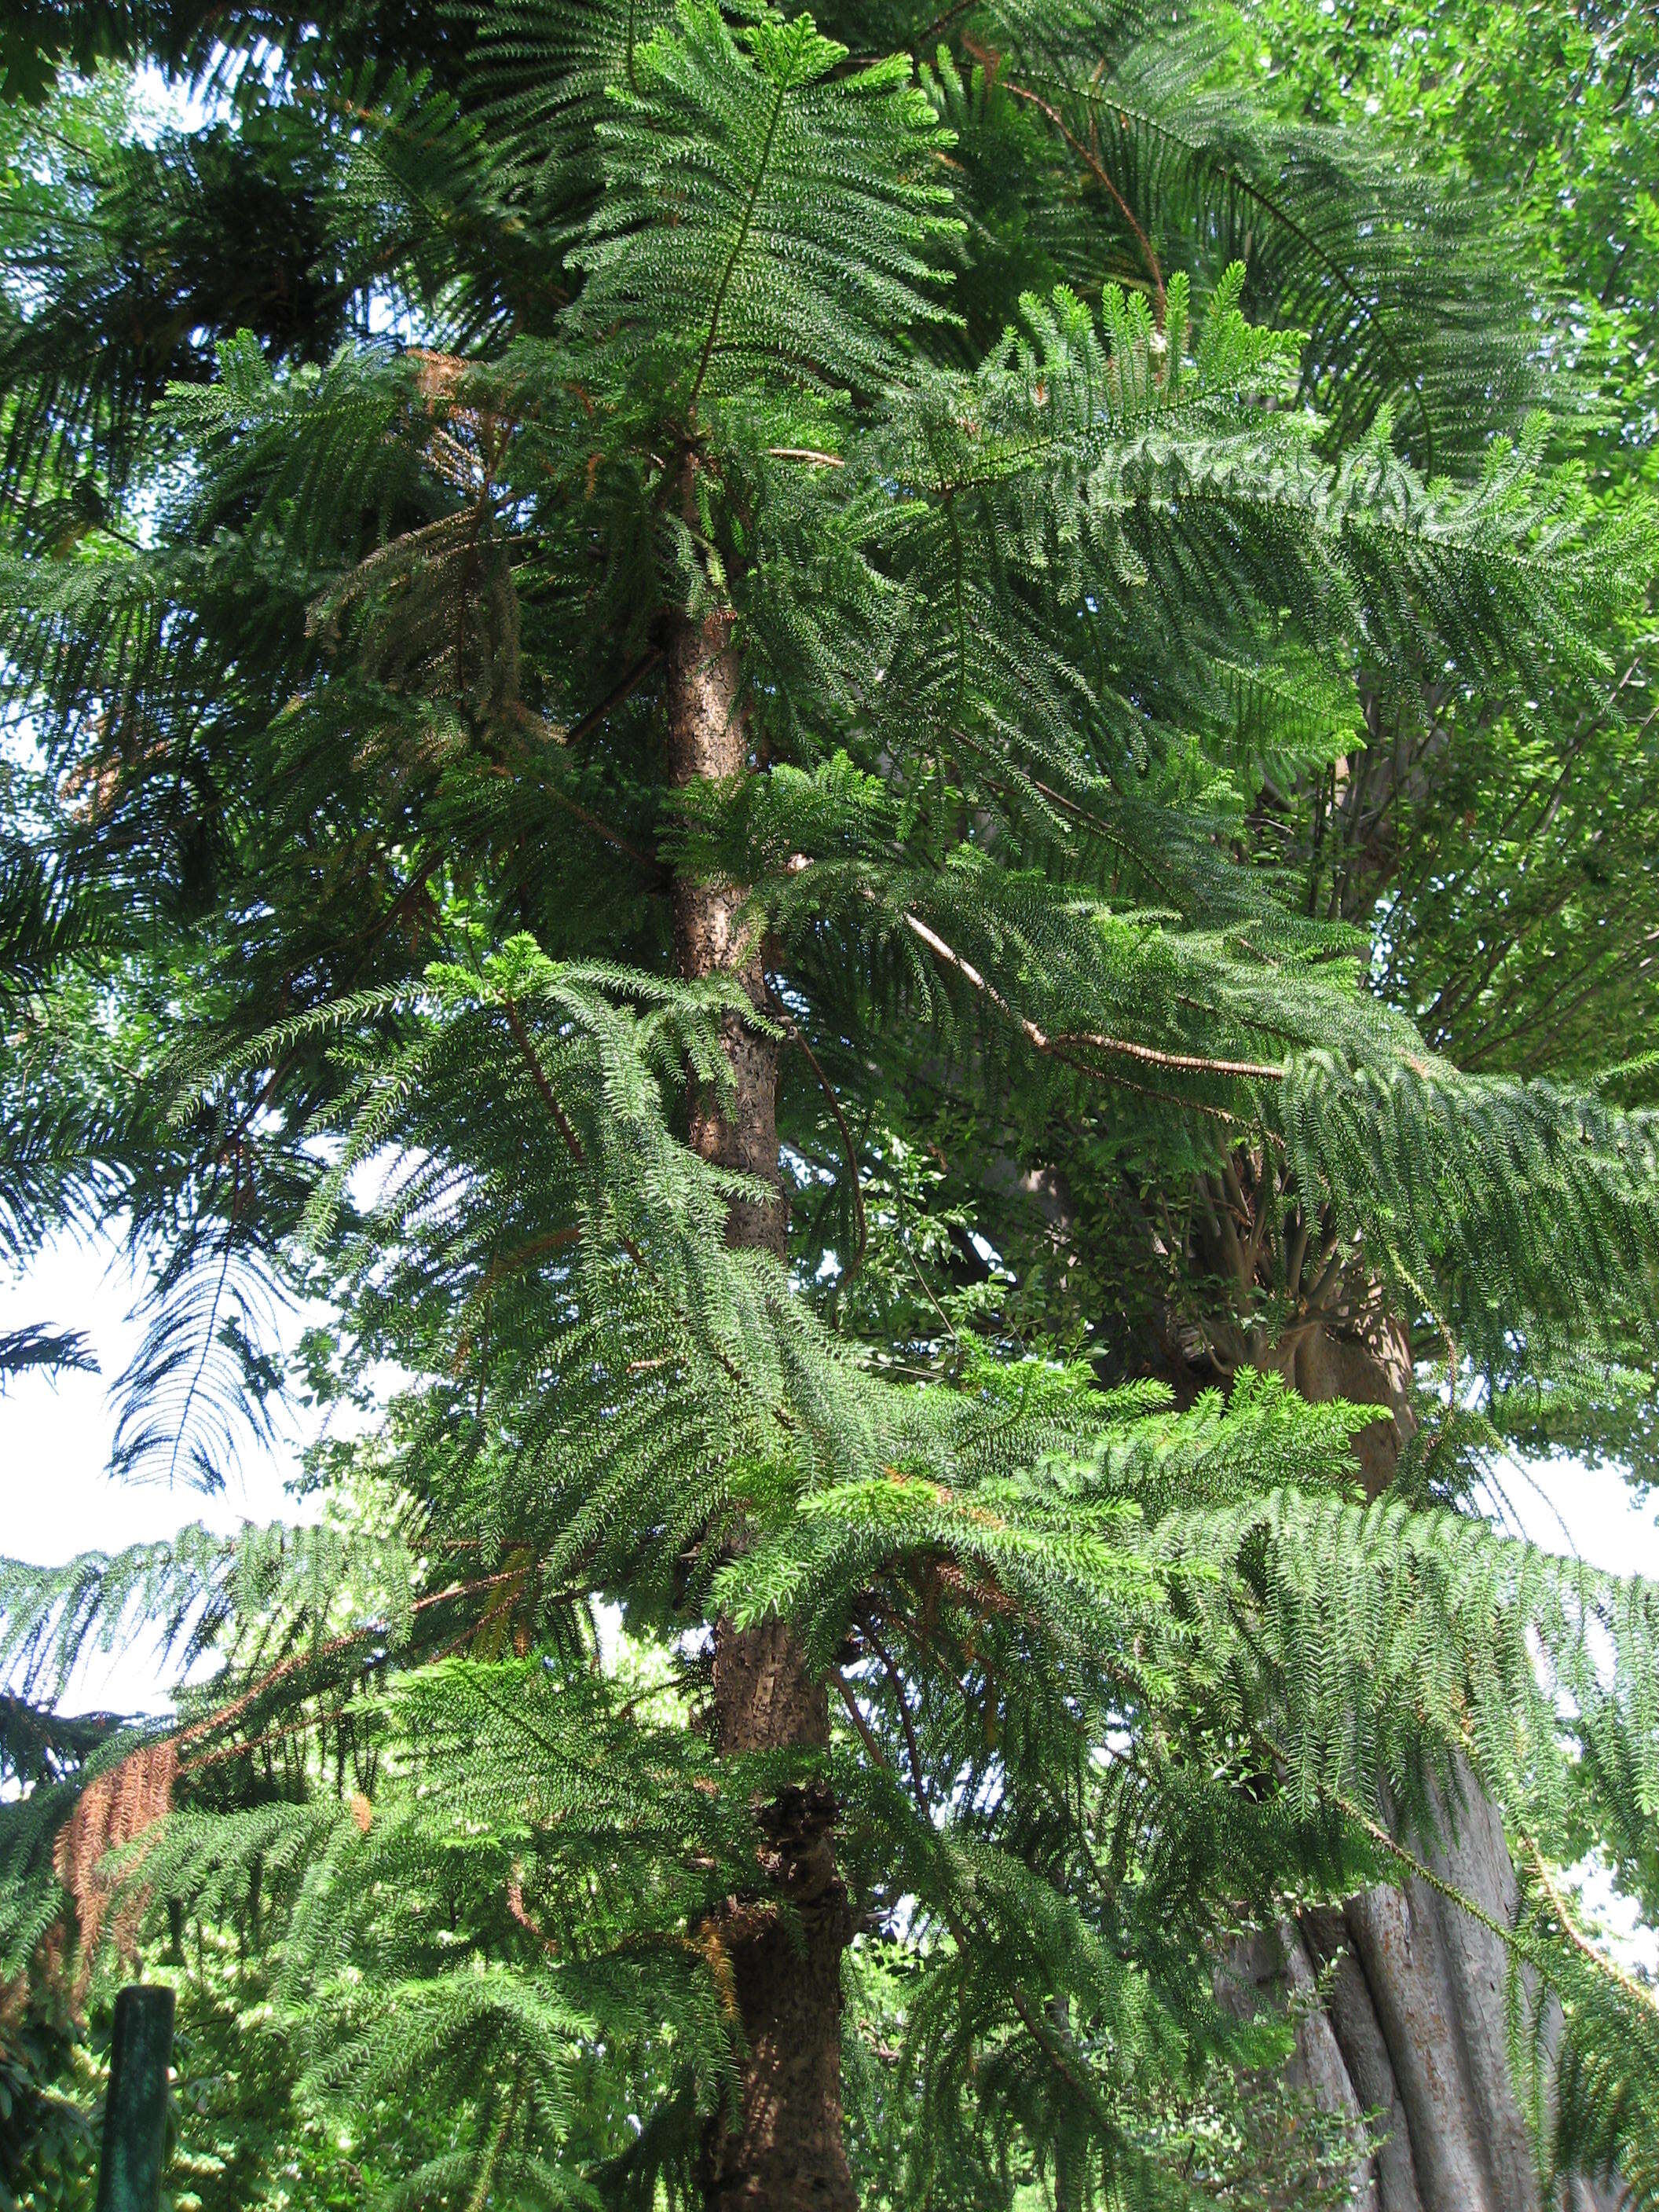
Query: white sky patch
55	1495
160	104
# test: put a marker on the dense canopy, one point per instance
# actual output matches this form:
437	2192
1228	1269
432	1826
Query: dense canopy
874	791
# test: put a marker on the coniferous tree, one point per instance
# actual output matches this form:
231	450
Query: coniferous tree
670	655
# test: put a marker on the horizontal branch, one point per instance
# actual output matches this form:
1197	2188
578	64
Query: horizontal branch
1064	1046
1188	1062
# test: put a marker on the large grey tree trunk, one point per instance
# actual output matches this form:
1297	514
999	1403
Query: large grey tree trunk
1412	2031
1409	2043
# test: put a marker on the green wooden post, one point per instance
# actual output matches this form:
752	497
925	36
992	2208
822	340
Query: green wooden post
135	2117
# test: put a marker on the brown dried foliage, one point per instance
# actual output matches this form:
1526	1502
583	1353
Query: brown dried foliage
114	1811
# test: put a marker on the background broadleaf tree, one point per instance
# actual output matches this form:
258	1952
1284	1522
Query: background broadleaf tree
647	645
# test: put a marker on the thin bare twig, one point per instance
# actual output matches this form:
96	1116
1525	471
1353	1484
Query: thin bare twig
858	1720
624	690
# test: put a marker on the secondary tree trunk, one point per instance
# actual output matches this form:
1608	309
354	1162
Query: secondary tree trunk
785	1943
1412	2028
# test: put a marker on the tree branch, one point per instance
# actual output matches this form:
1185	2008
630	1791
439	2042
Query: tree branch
538	1076
1101	175
796	1036
624	690
913	1749
1062	1046
858	1720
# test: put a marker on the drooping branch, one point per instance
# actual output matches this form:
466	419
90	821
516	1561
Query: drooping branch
1101	175
913	1749
782	1014
538	1077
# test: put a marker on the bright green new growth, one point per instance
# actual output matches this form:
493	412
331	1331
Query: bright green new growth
1026	592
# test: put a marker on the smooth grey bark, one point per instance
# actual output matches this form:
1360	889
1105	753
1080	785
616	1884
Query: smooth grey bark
1400	1996
1416	2004
1272	1969
1390	2175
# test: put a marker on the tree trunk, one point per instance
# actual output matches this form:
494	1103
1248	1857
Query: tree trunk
1413	2029
785	1944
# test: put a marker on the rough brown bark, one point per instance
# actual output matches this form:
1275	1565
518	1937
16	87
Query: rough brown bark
784	1944
786	1962
707	740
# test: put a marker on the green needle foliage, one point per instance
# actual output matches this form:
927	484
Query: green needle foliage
1064	444
1496	856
